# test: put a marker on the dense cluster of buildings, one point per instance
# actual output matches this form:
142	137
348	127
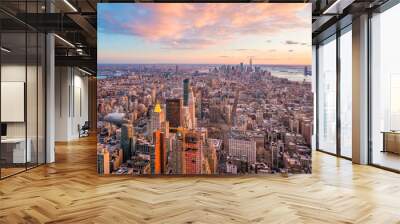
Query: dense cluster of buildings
202	119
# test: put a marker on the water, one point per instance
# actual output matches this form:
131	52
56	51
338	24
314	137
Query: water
299	77
290	73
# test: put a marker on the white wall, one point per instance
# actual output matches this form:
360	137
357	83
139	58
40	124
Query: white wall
11	73
71	102
81	102
15	72
62	81
33	127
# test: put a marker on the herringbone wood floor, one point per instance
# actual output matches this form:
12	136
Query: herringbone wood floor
70	191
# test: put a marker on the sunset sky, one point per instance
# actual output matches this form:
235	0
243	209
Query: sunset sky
212	33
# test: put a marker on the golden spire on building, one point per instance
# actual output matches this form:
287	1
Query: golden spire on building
157	108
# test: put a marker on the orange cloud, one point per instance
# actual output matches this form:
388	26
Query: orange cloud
202	27
210	23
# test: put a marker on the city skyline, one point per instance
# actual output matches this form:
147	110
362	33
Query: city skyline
156	120
204	33
188	89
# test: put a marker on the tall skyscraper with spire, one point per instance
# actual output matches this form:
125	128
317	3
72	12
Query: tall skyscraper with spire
157	117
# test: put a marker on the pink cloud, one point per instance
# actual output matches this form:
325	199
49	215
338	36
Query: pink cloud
202	25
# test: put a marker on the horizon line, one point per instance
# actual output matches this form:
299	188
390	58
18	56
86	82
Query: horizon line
198	64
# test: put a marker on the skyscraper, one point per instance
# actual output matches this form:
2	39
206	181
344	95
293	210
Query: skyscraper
165	128
126	139
211	155
192	153
175	163
153	94
159	156
192	109
103	161
144	150
157	117
174	112
198	106
186	88
251	64
186	118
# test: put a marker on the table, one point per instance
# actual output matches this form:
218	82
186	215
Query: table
13	150
391	141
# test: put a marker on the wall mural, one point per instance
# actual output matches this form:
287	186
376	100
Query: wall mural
204	88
